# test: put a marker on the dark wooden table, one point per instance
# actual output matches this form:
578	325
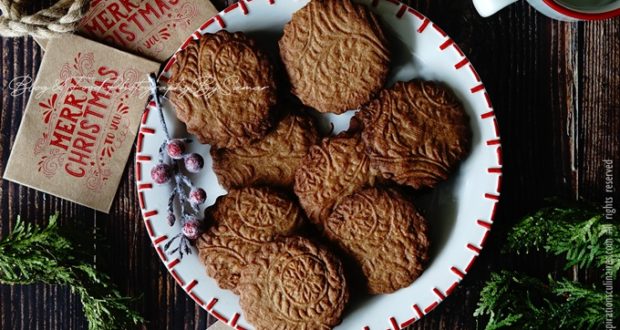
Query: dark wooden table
556	91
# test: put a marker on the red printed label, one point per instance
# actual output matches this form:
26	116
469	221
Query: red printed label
155	28
81	121
86	122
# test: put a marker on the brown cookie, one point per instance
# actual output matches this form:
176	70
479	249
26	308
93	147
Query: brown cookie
271	161
332	170
384	235
416	133
293	284
242	222
335	54
223	89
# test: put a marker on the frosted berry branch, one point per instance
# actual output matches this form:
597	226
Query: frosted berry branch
174	161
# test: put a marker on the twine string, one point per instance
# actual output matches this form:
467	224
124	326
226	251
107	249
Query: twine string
62	17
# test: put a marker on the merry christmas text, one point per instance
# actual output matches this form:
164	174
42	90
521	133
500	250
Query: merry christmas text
82	120
120	22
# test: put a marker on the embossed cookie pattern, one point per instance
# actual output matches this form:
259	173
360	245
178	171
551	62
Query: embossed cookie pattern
335	54
243	221
223	89
293	284
385	236
271	161
416	133
332	170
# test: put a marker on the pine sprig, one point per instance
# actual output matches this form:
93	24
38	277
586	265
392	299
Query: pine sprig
580	235
32	254
512	300
589	303
585	239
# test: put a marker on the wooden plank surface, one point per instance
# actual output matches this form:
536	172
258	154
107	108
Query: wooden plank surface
556	91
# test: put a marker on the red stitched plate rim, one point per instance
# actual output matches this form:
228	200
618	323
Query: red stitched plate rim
418	312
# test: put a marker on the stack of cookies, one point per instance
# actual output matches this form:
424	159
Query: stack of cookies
308	217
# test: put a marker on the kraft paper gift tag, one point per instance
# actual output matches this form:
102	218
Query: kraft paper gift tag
81	121
151	28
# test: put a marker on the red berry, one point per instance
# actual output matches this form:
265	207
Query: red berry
161	173
194	163
191	229
176	149
197	196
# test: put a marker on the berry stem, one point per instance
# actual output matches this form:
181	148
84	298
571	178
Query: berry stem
172	161
155	94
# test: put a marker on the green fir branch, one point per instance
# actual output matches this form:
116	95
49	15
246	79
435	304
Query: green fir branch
581	235
32	254
582	307
585	239
511	300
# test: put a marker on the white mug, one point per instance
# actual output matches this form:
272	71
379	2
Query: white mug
565	10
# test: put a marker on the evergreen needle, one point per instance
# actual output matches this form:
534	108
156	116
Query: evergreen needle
512	300
580	235
585	239
32	254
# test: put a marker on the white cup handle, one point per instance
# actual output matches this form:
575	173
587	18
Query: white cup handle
489	7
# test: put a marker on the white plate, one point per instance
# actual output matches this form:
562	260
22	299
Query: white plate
460	211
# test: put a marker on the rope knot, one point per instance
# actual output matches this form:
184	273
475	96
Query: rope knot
64	16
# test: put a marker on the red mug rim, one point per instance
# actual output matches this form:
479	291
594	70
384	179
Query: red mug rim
579	14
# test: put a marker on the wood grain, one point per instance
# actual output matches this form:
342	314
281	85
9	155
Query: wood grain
556	91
